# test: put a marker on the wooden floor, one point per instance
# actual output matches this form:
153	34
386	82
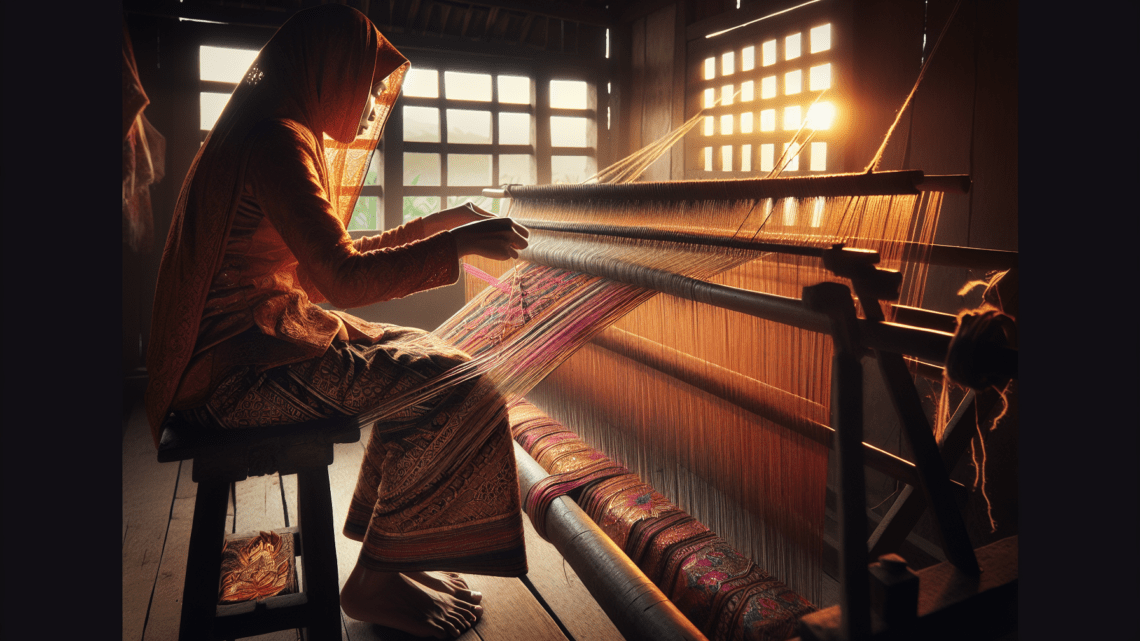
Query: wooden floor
158	503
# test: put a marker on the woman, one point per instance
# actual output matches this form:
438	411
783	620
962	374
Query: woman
257	239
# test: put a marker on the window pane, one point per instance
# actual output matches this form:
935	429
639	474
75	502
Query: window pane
748	59
367	214
710	126
821	115
514	129
768	120
746	158
791	117
767	157
768	87
568	94
746	122
222	64
421	169
726	124
567	132
421	124
469	169
710	98
465	126
792	47
793	82
710	68
514	90
517	169
726	95
821	38
768	51
375	175
571	169
818	158
421	83
728	63
747	91
419	206
726	158
210	107
467	86
820	77
708	158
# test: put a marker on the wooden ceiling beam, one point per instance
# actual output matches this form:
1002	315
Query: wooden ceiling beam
492	16
466	21
445	13
558	10
525	30
413	11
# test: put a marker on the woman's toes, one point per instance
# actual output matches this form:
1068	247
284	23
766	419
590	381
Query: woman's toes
470	596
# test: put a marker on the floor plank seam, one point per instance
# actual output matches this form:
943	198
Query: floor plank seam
546	606
162	555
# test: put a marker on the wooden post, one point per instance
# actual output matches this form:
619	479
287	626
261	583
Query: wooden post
204	561
318	553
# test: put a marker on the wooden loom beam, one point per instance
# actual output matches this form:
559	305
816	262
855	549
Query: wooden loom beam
910	504
912	252
637	607
927	345
825	308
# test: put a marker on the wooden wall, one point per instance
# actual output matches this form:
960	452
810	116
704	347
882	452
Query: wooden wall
963	121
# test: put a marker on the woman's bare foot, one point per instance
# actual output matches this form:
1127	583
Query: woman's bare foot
393	600
448	583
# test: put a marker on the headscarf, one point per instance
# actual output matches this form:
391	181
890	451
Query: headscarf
318	70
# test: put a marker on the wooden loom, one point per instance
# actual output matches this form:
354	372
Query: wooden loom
734	423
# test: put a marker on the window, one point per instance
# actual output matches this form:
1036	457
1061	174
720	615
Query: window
759	83
454	132
220	69
462	131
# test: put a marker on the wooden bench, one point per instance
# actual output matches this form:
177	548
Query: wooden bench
221	457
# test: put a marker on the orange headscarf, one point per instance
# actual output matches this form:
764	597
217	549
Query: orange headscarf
317	70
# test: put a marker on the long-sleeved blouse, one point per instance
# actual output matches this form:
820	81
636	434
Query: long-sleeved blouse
286	251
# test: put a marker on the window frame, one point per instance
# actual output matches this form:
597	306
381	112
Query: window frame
540	110
776	26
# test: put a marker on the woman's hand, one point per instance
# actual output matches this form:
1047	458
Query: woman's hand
454	217
494	238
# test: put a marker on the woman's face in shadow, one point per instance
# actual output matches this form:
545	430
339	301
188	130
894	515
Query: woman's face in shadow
370	108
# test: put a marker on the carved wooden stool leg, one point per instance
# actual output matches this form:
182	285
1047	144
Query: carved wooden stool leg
318	554
204	561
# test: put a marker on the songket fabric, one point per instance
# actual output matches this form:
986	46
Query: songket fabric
719	590
258	240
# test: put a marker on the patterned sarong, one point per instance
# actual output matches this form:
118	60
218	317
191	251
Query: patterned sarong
437	488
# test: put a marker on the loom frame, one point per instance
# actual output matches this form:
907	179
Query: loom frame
829	308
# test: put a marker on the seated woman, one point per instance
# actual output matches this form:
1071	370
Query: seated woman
258	238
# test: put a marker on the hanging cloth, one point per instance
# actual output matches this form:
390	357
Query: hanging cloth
144	151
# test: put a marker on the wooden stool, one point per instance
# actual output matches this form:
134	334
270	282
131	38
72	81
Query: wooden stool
222	457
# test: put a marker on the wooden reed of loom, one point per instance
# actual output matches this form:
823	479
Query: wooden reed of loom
779	285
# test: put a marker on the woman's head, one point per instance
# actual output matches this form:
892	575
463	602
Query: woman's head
325	62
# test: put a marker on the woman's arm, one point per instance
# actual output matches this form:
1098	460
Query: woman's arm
283	170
